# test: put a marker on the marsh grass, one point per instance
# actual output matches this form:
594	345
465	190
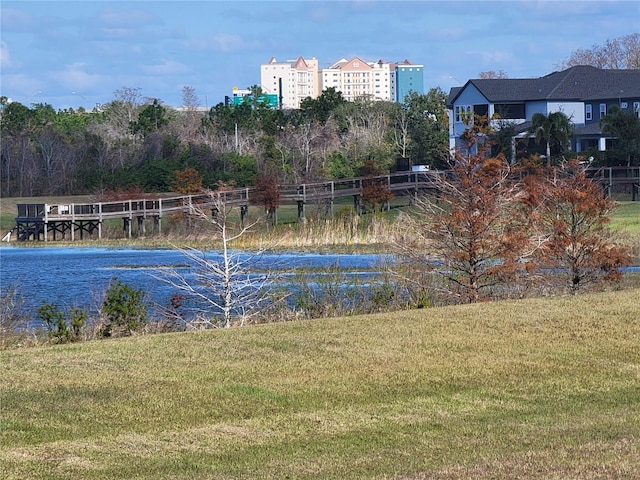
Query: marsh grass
540	388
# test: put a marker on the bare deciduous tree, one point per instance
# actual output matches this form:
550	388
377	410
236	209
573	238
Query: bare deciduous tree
619	53
492	74
190	116
53	153
400	134
227	287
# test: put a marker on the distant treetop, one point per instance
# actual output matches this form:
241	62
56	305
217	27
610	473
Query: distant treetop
619	53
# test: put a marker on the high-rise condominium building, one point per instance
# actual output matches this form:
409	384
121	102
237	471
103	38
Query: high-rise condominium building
407	78
295	80
292	81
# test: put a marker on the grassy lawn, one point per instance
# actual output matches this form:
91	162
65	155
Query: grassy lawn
626	218
537	389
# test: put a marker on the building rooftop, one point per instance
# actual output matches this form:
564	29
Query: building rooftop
579	83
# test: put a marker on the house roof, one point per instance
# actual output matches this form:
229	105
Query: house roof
579	83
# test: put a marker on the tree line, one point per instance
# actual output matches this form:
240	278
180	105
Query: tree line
138	143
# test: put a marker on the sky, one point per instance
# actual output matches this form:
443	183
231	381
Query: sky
78	53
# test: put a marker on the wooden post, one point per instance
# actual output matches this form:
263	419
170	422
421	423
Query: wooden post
244	209
357	205
99	221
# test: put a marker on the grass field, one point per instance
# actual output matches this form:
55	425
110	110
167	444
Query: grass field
626	218
536	389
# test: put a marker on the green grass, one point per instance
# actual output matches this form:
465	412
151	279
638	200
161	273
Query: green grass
543	388
626	218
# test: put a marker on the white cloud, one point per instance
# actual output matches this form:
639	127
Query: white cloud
321	14
227	42
491	58
167	67
222	42
5	55
22	87
116	33
447	34
74	77
128	18
13	20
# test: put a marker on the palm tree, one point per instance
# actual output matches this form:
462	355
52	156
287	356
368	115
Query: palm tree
624	126
554	128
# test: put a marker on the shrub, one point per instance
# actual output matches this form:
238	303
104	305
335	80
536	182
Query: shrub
14	319
58	330
124	310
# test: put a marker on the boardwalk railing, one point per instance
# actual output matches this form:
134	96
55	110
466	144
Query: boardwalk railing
625	178
35	221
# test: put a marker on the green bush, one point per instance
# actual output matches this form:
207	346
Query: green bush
58	329
124	310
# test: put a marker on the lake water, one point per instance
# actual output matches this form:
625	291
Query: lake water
79	276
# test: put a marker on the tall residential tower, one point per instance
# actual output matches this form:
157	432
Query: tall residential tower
292	81
295	80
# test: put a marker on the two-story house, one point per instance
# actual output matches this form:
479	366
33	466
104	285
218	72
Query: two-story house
584	93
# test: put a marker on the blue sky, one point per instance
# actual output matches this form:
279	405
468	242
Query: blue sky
77	53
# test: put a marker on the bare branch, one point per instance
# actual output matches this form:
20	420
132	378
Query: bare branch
227	284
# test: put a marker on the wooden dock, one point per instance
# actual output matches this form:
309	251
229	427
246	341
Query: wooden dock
75	221
617	180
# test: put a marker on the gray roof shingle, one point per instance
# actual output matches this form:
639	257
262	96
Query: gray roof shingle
580	83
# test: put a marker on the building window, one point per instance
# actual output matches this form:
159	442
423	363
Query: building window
463	112
636	108
603	110
588	114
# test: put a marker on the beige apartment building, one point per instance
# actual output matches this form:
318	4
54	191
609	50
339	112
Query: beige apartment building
295	80
292	80
356	78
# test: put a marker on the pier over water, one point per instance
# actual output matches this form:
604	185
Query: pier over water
72	221
78	220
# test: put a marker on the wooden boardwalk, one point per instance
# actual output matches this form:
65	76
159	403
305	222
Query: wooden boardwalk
617	180
76	220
